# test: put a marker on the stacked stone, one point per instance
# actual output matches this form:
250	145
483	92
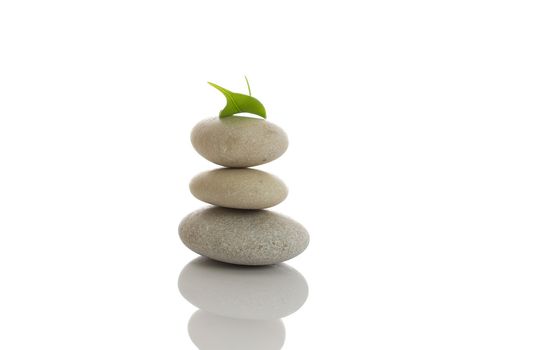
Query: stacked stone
237	229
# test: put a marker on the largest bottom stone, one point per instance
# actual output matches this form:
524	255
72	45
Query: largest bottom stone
244	237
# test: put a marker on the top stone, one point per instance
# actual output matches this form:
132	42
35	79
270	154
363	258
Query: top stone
239	142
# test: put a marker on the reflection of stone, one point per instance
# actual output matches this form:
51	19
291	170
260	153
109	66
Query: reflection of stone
254	293
213	332
240	306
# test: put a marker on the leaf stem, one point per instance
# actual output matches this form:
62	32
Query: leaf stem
248	84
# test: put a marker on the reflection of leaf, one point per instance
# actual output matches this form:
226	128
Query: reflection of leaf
239	103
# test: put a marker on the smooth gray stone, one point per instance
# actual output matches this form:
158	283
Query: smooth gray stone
239	142
244	237
213	332
239	188
243	292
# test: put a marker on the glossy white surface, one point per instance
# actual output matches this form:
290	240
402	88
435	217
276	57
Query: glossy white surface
418	160
243	292
240	307
213	332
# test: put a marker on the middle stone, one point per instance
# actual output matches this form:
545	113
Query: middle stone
239	188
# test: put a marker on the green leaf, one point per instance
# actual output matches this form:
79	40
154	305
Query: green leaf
239	103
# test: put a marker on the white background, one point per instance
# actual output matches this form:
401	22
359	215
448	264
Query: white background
418	161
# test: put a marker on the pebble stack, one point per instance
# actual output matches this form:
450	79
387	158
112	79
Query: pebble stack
237	229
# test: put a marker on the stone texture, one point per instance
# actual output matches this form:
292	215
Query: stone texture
243	292
239	188
239	142
245	237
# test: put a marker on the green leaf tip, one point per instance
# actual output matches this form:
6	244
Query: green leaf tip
240	103
248	85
